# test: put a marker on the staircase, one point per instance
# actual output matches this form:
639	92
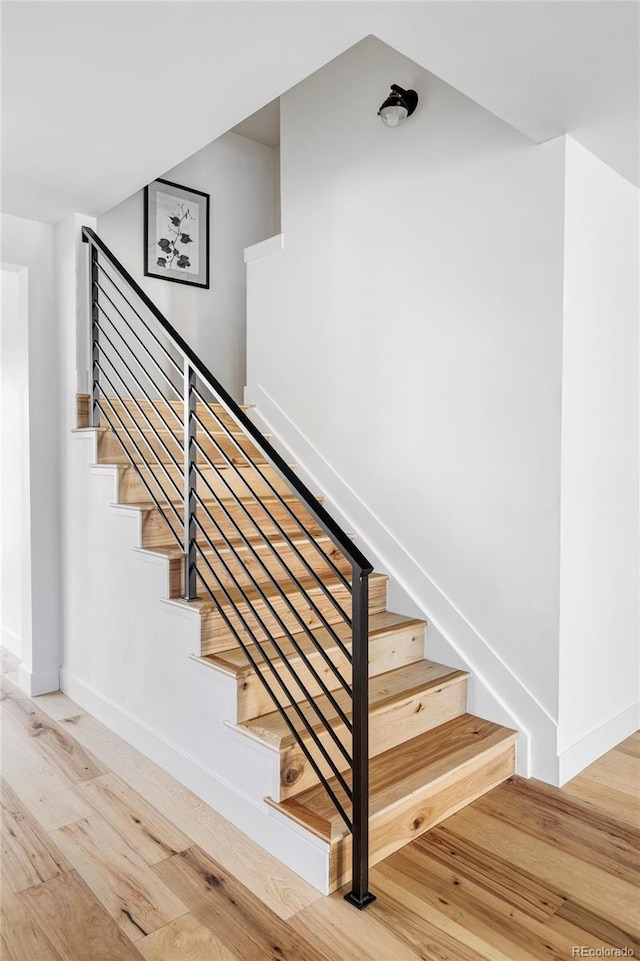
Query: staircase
278	614
429	757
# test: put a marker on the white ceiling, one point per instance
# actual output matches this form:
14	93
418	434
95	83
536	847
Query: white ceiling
100	98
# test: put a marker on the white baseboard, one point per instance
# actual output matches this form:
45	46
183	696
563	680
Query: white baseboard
593	745
305	854
499	694
35	683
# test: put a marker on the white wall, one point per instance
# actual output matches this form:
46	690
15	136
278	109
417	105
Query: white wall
241	178
29	244
417	313
599	639
14	381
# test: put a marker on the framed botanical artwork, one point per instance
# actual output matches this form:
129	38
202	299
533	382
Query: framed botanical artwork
176	233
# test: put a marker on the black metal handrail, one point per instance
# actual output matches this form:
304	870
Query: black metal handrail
258	607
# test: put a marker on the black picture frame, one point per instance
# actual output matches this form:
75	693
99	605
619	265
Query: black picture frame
176	233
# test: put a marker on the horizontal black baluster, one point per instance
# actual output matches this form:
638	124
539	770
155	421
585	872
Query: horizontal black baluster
307	630
293	704
159	399
176	487
144	481
141	319
328	627
272	641
148	420
316	577
279	497
140	341
283	714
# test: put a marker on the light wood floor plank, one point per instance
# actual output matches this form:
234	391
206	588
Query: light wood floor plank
75	923
630	746
428	927
345	934
20	937
123	883
50	799
244	925
511	882
544	813
279	887
150	834
616	771
602	929
58	706
46	794
450	891
29	856
61	751
524	874
185	939
619	805
589	886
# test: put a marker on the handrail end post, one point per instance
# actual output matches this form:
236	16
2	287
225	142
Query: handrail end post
190	479
358	901
94	339
360	896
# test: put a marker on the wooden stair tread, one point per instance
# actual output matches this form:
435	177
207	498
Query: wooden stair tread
228	501
238	599
207	469
399	773
234	661
177	405
233	545
164	432
153	458
384	690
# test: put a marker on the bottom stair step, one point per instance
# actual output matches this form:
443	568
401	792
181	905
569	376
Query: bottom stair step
412	787
403	703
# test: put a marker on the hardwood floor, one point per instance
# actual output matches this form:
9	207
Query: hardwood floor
107	858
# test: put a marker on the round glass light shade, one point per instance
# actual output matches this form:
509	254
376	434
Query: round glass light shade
393	113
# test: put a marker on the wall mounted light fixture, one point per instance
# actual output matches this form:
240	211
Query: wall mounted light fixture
399	105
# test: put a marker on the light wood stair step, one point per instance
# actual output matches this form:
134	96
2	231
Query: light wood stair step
155	533
412	788
403	703
210	482
394	641
241	564
129	407
163	413
169	445
216	634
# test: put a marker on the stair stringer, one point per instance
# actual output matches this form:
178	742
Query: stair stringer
131	659
495	693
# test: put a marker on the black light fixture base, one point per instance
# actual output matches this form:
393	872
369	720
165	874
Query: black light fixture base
360	903
410	98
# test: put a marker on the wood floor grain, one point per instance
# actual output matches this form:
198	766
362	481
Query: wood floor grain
185	938
107	858
149	833
29	855
118	876
74	924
